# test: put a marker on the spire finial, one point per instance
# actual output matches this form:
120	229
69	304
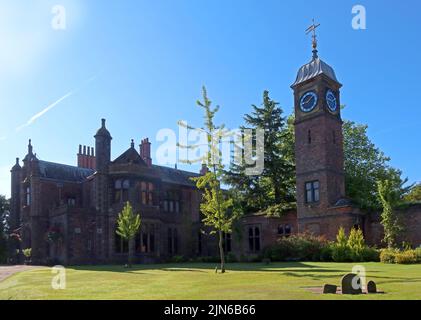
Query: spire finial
132	143
312	29
30	146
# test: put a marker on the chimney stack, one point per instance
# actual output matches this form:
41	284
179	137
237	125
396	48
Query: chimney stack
86	157
145	151
204	170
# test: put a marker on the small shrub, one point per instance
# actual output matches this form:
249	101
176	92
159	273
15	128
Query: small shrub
370	255
388	256
406	257
281	251
303	247
326	253
341	253
309	247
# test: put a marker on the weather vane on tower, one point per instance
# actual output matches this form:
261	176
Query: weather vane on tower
313	28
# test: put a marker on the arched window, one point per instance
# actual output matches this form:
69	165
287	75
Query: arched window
288	230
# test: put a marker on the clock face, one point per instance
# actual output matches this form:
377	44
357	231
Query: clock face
308	101
332	103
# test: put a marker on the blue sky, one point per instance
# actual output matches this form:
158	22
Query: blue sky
141	65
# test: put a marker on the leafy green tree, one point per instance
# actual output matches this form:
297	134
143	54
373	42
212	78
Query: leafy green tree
128	225
414	194
4	212
389	196
365	164
216	206
276	184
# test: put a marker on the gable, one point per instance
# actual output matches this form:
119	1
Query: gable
130	156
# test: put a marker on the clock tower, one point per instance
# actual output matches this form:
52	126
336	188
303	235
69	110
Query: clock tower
319	152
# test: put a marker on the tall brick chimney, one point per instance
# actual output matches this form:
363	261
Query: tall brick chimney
145	151
86	157
204	169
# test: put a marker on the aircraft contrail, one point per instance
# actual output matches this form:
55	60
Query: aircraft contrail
45	110
52	105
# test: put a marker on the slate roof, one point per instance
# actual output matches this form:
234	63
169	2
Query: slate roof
175	176
63	172
312	69
166	174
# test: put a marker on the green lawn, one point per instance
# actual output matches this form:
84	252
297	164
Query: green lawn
199	281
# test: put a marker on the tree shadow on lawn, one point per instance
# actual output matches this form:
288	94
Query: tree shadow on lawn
395	279
282	267
340	273
313	276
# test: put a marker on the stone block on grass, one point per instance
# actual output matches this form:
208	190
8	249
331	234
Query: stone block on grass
329	289
351	284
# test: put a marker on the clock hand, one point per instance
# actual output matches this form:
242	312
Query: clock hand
307	100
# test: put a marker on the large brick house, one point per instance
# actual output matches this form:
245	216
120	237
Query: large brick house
68	213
